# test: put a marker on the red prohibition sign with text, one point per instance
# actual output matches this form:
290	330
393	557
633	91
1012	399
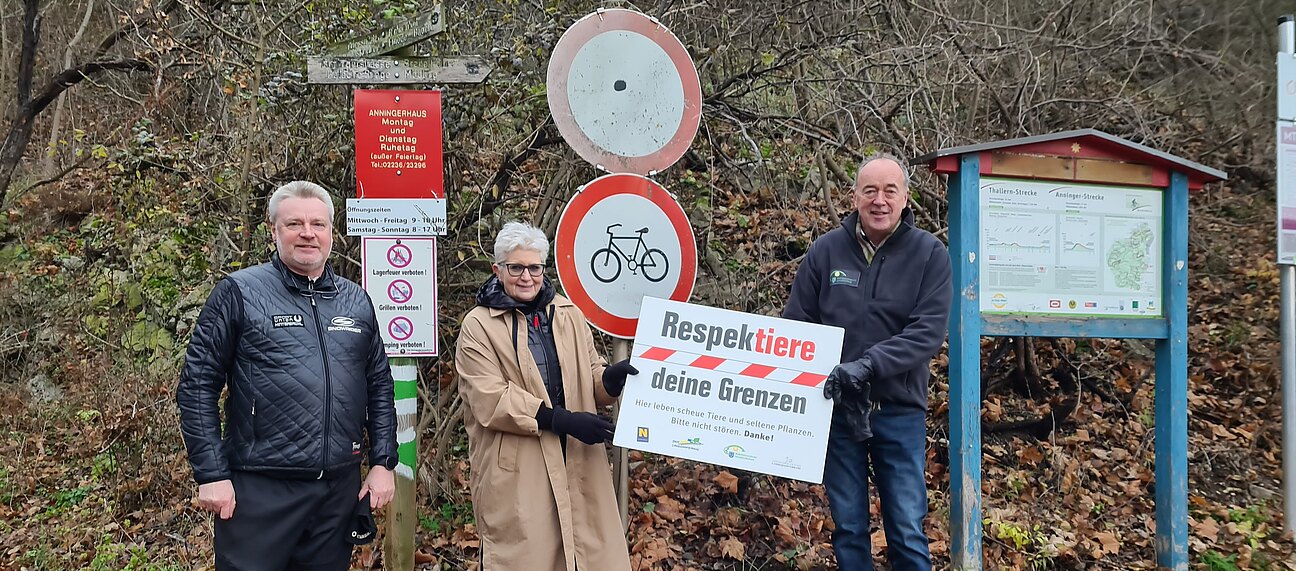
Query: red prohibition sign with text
620	239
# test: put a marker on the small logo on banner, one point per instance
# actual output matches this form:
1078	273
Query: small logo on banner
294	320
689	443
844	278
999	301
737	452
1055	303
787	462
641	435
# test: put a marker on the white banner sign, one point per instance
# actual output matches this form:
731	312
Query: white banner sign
400	276
730	388
396	216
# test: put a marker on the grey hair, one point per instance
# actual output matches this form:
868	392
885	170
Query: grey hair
519	235
882	155
298	189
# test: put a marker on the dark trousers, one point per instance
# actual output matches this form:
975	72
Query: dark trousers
282	525
897	456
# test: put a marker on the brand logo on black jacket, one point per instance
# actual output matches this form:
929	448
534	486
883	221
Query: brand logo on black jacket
844	278
289	320
342	323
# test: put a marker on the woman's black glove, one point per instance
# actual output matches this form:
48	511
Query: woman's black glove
614	376
586	427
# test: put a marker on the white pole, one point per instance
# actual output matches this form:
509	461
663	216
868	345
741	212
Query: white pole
1287	273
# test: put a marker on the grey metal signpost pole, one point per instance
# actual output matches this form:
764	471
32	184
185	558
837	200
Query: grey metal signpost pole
1287	271
621	350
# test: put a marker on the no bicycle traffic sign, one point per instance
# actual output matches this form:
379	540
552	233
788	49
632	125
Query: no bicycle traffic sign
623	237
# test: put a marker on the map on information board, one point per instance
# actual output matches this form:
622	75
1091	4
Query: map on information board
1068	249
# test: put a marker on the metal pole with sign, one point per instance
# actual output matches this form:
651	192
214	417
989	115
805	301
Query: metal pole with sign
626	97
1286	191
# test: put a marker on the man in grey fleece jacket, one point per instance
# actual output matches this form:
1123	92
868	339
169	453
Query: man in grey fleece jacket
887	283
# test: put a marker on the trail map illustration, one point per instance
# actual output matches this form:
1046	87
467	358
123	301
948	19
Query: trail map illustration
1128	258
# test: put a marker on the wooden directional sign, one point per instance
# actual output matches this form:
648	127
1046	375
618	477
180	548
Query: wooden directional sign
394	70
394	37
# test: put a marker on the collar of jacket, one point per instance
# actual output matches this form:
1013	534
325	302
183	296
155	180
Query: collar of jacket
491	295
851	224
325	285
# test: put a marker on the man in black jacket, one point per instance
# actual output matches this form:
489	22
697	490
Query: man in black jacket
887	284
299	351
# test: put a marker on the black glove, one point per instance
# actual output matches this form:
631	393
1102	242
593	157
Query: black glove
856	407
586	427
848	378
614	376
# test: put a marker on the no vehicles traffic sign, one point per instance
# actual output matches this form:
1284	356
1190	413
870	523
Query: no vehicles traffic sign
623	92
621	238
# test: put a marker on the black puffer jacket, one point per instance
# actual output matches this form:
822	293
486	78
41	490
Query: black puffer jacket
306	373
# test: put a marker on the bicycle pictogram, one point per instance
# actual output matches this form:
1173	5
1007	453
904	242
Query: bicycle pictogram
607	261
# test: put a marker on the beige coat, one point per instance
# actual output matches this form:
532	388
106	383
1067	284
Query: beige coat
534	511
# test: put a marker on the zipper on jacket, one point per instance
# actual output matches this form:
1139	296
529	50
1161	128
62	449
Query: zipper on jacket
877	273
328	387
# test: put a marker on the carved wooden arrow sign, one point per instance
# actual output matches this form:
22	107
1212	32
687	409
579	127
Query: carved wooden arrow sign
396	70
392	38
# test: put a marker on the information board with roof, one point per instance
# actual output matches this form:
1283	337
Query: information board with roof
1072	234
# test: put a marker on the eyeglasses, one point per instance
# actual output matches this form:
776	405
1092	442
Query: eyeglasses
515	270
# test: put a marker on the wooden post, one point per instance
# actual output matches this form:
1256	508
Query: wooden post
402	513
1171	431
620	351
965	366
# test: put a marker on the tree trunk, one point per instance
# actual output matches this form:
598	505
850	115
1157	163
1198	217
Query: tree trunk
51	151
15	141
27	108
20	130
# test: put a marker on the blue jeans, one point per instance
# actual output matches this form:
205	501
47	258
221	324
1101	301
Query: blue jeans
897	454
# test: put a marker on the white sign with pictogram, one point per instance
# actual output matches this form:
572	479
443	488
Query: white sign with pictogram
730	388
400	276
623	237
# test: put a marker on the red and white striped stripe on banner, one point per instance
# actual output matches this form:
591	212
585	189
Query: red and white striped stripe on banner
733	366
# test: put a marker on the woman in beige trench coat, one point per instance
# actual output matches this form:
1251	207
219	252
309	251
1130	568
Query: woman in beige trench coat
531	381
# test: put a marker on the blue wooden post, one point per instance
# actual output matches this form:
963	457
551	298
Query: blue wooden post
1172	384
965	366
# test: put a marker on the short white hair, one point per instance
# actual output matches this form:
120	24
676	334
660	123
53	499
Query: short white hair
298	189
882	155
520	236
